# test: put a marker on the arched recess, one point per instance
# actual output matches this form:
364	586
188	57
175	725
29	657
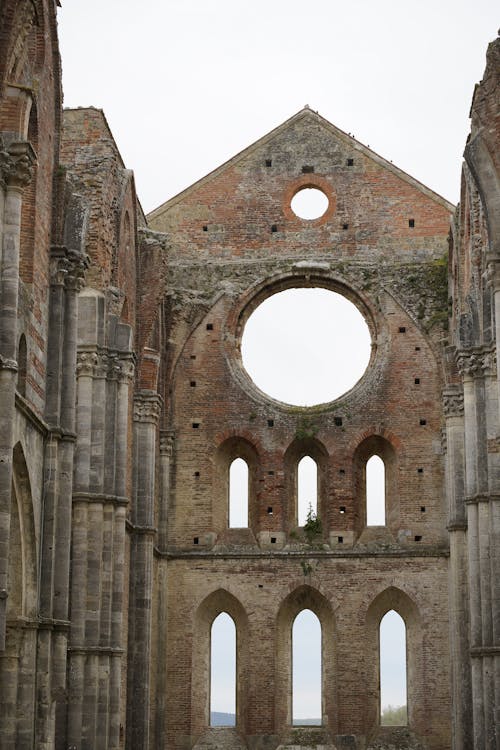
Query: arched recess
231	449
125	259
305	597
376	445
296	451
215	603
23	554
17	665
395	599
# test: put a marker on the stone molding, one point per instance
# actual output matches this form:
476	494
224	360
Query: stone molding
457	526
475	363
141	530
453	403
482	498
16	164
480	651
99	650
8	364
147	407
99	498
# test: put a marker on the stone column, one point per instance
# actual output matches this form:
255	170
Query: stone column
494	278
67	271
146	417
166	450
477	369
16	166
453	403
100	500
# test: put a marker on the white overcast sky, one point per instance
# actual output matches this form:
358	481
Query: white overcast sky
186	84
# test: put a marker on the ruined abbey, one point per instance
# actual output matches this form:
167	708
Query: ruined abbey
124	402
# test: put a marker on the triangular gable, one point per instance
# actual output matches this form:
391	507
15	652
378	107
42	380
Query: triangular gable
305	113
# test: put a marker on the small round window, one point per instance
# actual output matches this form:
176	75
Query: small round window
306	346
309	203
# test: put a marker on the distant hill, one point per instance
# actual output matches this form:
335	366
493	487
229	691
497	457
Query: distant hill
219	719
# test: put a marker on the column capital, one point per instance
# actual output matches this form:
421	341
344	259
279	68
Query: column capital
167	438
127	367
147	406
85	363
16	164
493	271
67	268
453	402
475	363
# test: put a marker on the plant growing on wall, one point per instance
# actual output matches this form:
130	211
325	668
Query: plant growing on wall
312	526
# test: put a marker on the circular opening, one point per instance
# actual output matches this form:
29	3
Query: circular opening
309	203
306	346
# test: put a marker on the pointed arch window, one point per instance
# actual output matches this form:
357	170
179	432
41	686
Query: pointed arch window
306	669
238	494
393	660
307	489
375	491
223	671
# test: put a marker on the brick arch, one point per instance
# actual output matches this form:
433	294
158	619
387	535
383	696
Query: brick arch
394	598
218	601
305	597
376	444
308	445
235	446
249	300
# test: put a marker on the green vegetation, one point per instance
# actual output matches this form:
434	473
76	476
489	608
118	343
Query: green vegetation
312	526
394	716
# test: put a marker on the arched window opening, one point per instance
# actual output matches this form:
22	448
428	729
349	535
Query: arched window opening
22	363
306	669
238	494
375	492
393	701
223	672
307	489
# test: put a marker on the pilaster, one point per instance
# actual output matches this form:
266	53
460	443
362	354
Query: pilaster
147	405
478	368
453	408
16	167
100	502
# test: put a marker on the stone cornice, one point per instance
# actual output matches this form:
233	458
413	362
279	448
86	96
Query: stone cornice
431	552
